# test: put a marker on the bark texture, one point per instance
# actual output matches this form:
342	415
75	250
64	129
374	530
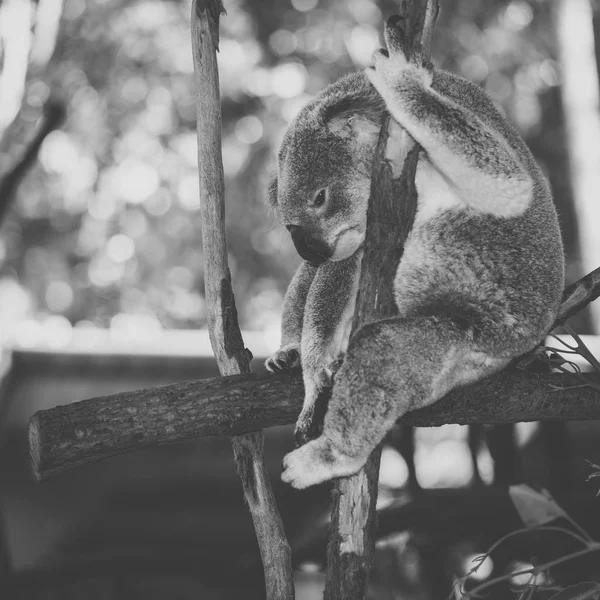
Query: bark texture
225	336
391	212
67	436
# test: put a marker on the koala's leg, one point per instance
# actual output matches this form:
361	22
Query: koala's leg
288	355
477	160
326	329
391	367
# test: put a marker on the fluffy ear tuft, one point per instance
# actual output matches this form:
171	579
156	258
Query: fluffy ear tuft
351	107
355	126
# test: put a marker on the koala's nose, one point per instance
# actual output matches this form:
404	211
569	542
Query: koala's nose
309	248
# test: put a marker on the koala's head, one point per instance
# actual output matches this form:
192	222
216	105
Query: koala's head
324	170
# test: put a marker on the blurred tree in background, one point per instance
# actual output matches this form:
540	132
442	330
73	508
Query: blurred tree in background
105	229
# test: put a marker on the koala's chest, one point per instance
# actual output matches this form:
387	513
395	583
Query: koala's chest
332	296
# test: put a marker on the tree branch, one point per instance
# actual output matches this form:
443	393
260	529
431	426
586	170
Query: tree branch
353	517
578	295
69	435
54	114
225	336
74	434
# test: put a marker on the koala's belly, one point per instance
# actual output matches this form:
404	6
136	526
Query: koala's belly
436	266
437	261
501	278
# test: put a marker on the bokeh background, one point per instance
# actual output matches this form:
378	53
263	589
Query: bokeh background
104	229
101	286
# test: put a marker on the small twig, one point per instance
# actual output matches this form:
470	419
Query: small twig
554	358
580	347
584	540
532	570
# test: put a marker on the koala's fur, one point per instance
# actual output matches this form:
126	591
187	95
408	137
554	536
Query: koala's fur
481	276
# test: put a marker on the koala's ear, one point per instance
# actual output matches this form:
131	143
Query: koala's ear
355	126
272	192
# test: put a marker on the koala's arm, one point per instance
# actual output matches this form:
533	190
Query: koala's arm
470	147
288	355
293	305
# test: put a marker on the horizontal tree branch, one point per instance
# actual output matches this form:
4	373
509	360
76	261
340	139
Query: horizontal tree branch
67	436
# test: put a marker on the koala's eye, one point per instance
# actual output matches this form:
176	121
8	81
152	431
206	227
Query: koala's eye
320	199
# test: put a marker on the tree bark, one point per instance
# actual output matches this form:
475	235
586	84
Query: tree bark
578	295
67	436
225	336
391	212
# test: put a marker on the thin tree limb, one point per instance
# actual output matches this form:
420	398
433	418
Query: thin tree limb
225	336
578	295
54	114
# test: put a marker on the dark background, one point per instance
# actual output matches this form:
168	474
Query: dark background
101	291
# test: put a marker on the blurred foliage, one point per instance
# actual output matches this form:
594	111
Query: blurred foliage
105	229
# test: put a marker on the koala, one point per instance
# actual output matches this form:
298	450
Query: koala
480	279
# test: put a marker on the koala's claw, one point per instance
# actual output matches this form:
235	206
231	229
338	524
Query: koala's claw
316	462
283	360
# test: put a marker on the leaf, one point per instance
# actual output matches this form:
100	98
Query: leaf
593	465
593	474
586	590
534	508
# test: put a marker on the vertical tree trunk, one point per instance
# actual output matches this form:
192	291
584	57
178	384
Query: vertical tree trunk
226	339
392	207
581	101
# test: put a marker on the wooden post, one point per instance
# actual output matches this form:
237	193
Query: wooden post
226	339
392	207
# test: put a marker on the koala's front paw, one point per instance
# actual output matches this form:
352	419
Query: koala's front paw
284	359
391	66
316	462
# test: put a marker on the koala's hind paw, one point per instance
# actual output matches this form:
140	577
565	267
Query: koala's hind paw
283	360
316	462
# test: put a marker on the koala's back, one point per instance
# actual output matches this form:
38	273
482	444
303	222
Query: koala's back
500	276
